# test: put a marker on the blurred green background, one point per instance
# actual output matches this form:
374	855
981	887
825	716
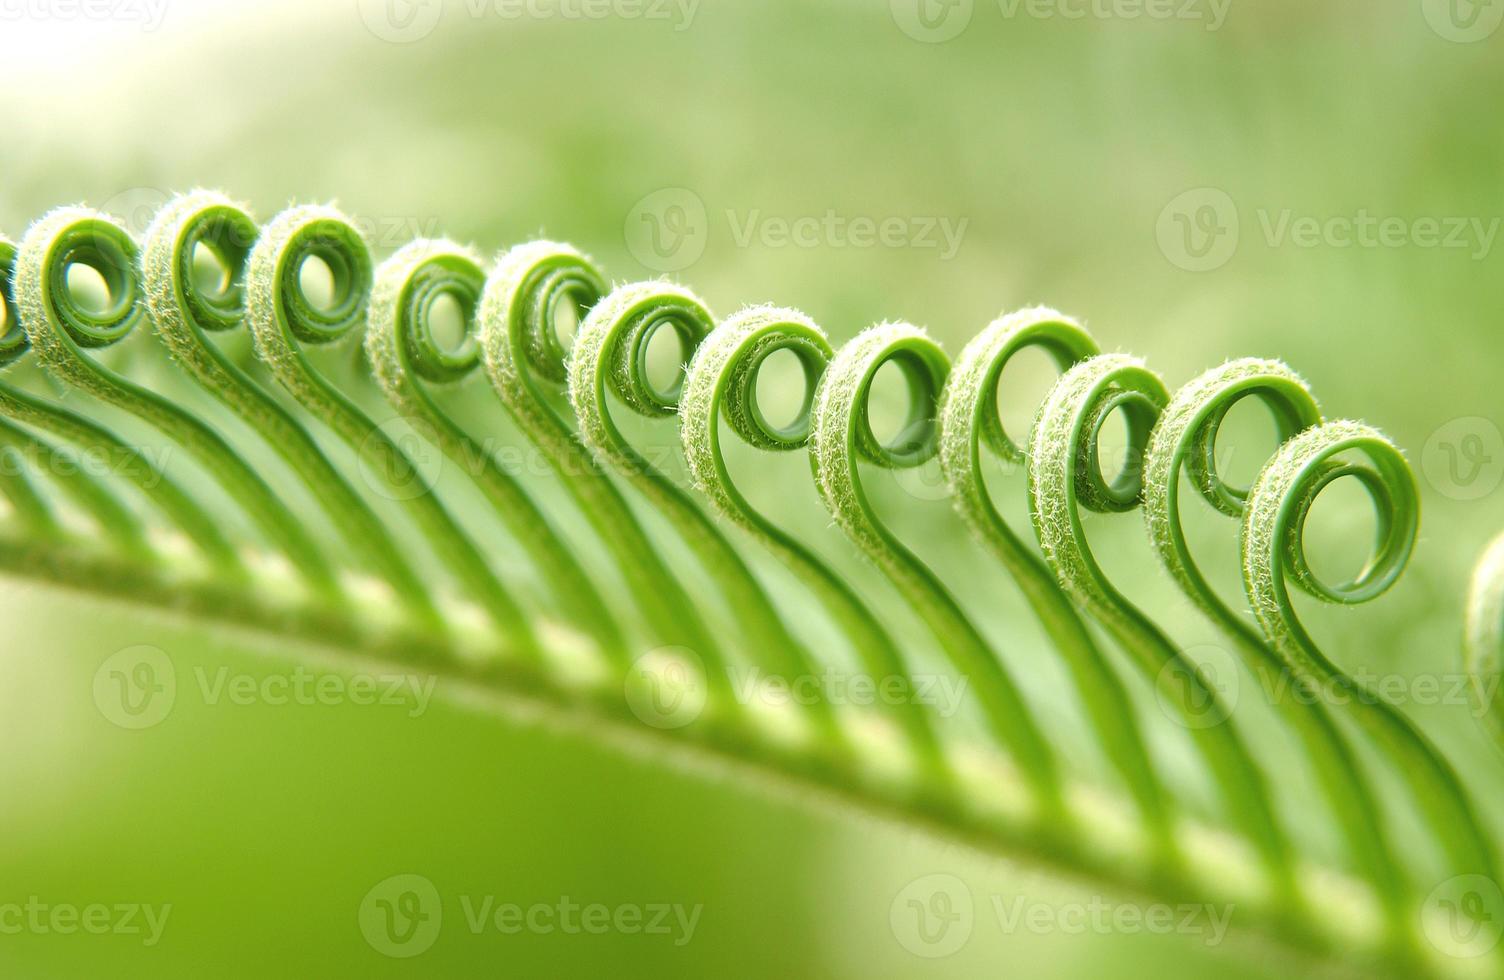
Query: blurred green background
1170	180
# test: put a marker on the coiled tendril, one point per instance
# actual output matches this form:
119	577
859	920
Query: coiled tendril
1185	440
13	341
1066	475
841	438
112	517
526	295
63	330
1274	555
721	384
171	500
186	314
1484	638
283	319
611	354
969	420
406	356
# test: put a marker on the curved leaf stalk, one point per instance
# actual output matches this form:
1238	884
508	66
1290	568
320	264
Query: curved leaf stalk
1274	554
174	503
516	312
283	318
1484	638
185	315
406	357
525	296
611	355
721	384
112	518
1185	441
969	420
1065	475
63	330
841	437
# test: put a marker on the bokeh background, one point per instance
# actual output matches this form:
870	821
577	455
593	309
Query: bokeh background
1169	176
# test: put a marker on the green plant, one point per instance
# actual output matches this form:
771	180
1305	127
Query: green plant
323	370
